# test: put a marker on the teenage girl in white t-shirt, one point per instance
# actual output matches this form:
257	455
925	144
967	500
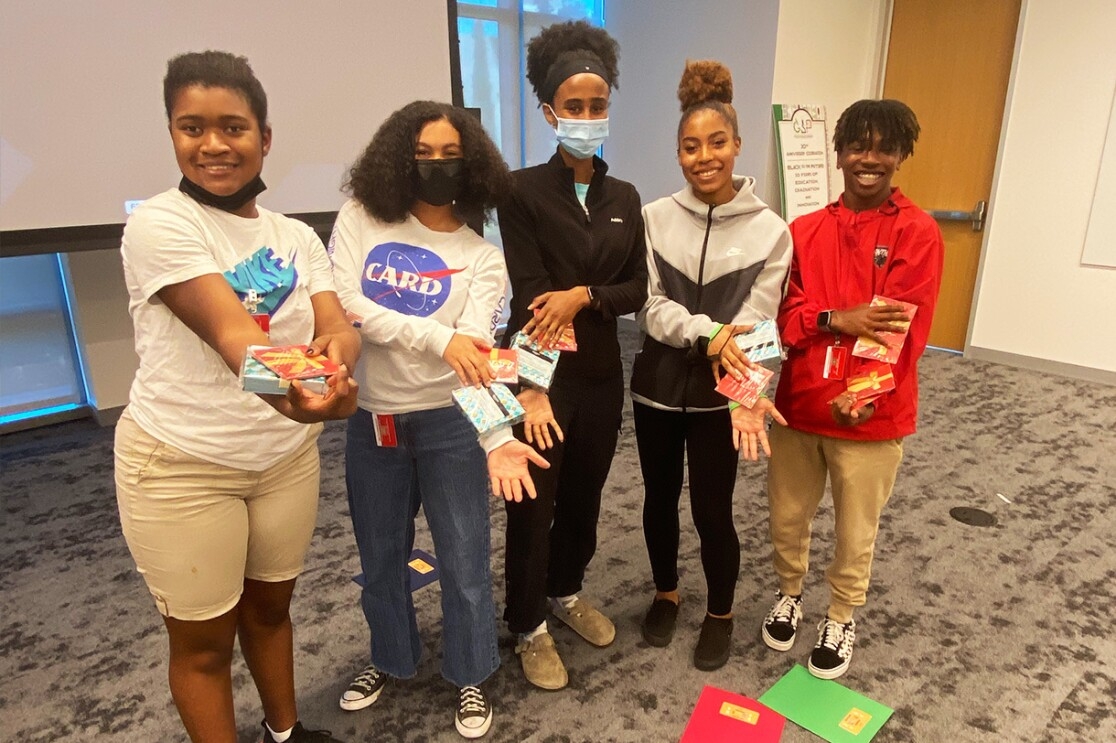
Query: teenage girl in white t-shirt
217	487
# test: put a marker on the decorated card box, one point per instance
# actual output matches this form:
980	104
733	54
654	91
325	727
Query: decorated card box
746	390
566	340
869	381
761	343
536	364
504	365
866	348
291	362
257	378
489	408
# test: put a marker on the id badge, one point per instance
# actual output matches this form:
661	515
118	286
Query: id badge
264	321
385	431
835	362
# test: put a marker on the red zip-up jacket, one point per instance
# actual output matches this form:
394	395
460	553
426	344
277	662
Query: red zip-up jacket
841	258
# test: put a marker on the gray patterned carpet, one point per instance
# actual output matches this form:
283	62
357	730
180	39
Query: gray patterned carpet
971	634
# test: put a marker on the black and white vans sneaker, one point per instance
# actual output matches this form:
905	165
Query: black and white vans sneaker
364	689
781	623
833	653
474	714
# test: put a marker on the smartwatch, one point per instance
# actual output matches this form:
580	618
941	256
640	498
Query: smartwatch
823	320
592	297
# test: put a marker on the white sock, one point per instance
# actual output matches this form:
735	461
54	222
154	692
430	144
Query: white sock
279	737
528	636
563	602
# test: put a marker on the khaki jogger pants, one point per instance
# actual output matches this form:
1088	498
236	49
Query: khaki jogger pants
862	474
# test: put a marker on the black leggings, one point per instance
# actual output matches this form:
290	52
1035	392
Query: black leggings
663	438
551	539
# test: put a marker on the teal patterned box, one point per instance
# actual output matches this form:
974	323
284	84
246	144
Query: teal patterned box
489	408
255	377
536	364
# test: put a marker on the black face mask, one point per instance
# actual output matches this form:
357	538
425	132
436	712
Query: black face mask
230	203
439	182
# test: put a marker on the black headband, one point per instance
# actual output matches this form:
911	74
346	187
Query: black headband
564	69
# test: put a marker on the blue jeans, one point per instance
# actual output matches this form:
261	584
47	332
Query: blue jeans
440	466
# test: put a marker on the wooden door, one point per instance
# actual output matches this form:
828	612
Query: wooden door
950	60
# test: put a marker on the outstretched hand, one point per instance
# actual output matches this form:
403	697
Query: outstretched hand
749	433
508	471
539	419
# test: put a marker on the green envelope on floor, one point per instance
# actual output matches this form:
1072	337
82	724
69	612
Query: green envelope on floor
825	708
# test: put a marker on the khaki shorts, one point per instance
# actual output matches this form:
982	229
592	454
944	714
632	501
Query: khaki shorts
196	529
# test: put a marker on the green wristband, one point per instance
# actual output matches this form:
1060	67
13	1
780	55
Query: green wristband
733	405
716	329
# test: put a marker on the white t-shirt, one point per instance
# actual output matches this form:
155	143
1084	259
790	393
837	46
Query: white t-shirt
412	288
183	393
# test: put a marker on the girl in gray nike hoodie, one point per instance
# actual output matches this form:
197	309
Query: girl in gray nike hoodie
717	260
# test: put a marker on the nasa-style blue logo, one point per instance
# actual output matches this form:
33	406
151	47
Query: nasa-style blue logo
263	280
406	278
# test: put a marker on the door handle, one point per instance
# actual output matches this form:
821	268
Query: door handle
976	216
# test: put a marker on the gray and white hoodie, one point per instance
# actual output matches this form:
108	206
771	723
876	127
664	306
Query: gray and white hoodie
706	265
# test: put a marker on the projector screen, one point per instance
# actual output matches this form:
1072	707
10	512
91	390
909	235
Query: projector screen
82	124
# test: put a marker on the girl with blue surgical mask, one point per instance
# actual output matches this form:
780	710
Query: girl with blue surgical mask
574	246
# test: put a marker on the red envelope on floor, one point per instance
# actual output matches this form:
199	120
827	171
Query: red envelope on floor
721	716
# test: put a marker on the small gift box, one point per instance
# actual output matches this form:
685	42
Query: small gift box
489	408
870	381
291	362
761	342
536	364
257	378
866	348
566	340
505	366
747	389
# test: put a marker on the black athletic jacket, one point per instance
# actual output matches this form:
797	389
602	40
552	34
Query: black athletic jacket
552	244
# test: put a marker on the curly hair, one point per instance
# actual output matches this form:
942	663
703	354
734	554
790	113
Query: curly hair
211	69
893	120
381	179
706	85
560	42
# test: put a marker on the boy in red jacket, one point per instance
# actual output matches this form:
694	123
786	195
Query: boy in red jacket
872	241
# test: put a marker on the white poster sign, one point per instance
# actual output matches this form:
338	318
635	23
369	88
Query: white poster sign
803	146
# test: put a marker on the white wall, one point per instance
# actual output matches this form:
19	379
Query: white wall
830	54
84	129
656	37
1034	298
331	73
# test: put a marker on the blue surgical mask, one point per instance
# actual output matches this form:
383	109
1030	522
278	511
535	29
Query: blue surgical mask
581	137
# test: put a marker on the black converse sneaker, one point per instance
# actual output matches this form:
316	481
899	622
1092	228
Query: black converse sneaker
833	652
782	622
474	715
364	689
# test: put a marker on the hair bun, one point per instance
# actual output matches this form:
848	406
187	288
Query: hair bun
704	80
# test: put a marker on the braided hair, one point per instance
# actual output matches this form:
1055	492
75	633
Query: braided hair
893	120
